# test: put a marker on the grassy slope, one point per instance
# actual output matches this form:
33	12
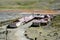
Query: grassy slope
56	21
29	4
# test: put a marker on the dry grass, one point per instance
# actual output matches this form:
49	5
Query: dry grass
29	4
43	33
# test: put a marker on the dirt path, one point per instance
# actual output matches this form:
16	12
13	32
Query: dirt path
18	34
32	11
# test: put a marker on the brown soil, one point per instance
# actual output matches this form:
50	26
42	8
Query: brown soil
32	11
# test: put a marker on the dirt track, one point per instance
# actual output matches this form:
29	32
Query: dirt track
33	11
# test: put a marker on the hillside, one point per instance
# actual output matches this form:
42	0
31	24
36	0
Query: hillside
29	4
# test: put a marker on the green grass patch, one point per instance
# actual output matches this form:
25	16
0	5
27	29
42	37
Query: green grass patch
56	21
